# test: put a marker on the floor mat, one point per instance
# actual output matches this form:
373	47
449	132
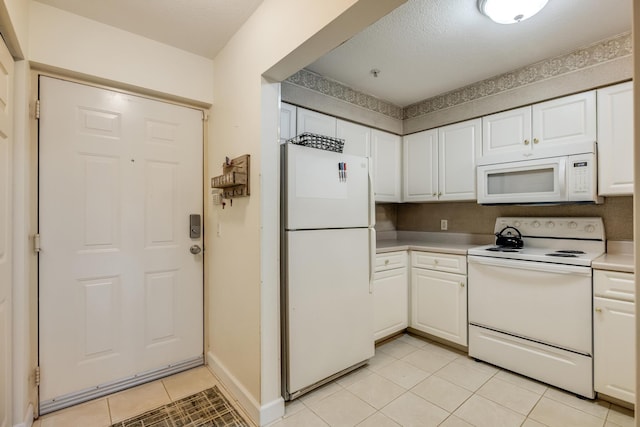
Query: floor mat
207	408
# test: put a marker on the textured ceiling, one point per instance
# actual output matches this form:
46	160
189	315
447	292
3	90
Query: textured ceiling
202	27
427	47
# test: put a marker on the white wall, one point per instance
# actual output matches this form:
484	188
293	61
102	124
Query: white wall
281	37
61	40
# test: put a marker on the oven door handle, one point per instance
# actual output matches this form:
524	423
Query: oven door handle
530	265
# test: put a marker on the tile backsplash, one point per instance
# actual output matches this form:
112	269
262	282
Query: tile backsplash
469	217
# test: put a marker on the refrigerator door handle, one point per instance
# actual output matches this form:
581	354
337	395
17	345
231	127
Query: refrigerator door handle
372	257
372	196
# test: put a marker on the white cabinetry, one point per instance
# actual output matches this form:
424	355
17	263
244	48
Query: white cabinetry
439	295
390	294
357	138
318	123
439	164
615	140
614	334
287	121
420	166
550	128
458	150
506	133
386	157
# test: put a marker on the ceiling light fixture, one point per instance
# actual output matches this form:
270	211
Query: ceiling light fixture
510	11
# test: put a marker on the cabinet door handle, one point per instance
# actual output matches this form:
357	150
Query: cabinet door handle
434	194
526	142
462	284
598	310
386	262
439	194
535	140
435	261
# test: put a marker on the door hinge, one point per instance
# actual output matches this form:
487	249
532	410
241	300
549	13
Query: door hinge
37	376
37	109
36	243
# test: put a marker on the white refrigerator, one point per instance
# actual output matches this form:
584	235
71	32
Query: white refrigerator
328	245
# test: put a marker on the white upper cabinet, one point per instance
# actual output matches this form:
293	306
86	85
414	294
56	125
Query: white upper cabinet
439	164
318	123
551	128
615	140
420	166
458	151
567	120
506	132
357	138
287	121
386	159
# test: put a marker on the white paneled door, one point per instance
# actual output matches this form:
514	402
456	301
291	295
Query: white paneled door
120	293
6	118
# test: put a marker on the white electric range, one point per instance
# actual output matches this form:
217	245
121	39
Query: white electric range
530	308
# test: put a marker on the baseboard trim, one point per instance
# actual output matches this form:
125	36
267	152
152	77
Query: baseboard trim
272	411
28	418
260	415
237	390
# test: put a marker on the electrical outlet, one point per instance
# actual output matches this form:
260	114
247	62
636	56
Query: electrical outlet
444	224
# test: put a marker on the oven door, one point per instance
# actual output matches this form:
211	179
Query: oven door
546	303
529	181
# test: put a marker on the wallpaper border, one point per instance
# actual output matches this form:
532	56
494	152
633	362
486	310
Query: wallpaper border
313	81
600	52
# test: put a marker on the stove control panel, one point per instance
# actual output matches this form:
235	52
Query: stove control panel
557	227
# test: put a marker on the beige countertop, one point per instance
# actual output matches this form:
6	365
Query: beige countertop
619	257
446	243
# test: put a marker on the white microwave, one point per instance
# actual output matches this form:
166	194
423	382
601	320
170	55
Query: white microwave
562	179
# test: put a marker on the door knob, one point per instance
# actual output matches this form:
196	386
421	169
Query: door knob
195	249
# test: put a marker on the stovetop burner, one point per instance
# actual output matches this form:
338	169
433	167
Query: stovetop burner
502	249
570	251
563	254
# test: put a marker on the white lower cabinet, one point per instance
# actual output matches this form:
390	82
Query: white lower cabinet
614	334
390	294
439	295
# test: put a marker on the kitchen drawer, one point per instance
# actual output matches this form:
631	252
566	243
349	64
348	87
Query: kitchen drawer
614	285
439	262
391	260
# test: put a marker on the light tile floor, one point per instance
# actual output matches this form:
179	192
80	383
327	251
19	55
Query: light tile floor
415	382
126	404
409	382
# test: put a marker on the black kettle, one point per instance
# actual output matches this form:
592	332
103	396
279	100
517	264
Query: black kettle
508	240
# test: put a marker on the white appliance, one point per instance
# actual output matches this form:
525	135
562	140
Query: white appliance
328	244
530	309
561	179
